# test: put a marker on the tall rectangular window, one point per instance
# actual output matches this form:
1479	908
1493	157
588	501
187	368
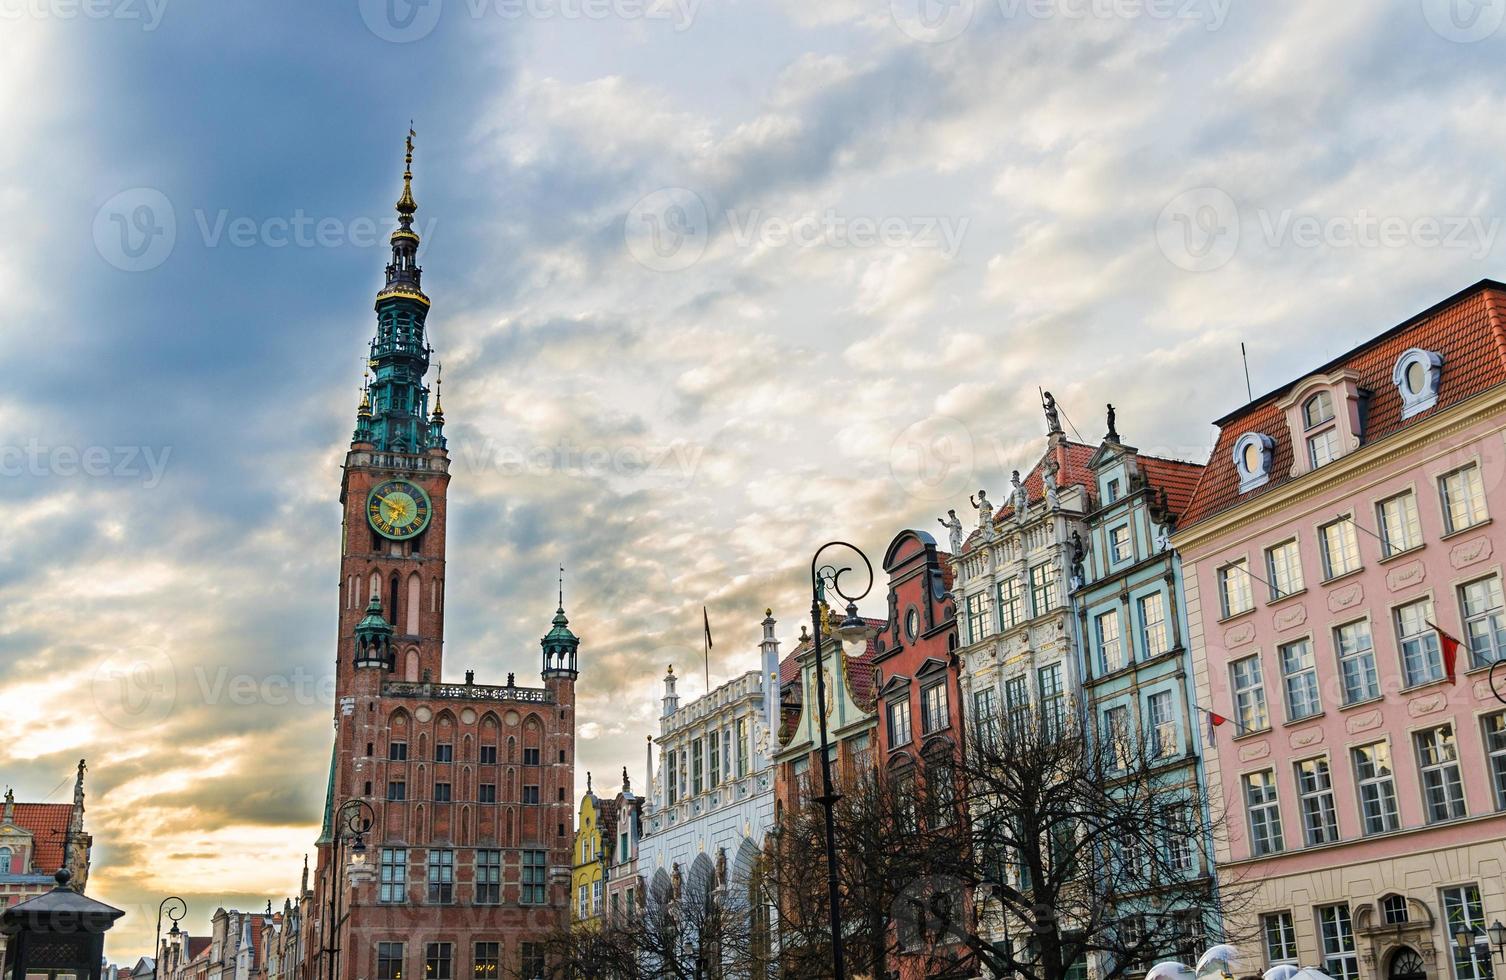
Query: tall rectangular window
1121	548
899	722
1376	783
1053	700
1320	821
394	875
1043	597
1153	624
933	708
1265	812
1336	935
1284	569
697	766
1011	603
1438	759
1234	589
742	746
531	794
488	877
1340	548
715	778
486	963
1463	498
1110	651
1323	448
531	756
439	961
1017	702
1163	724
397	790
1495	749
1116	736
531	961
389	961
1280	938
1421	660
1299	674
1463	912
977	623
442	793
1484	620
1399	528
535	881
441	875
486	793
1249	694
1356	652
985	719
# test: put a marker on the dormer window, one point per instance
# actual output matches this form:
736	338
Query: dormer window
1113	490
1253	453
1325	415
1416	376
1317	410
1322	434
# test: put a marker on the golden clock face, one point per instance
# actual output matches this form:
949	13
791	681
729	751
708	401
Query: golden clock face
398	509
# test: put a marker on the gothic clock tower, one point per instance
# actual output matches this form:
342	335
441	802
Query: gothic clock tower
445	845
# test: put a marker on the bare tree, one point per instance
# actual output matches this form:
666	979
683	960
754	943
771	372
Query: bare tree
1080	846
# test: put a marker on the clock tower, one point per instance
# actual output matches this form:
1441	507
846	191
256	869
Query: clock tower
444	849
393	490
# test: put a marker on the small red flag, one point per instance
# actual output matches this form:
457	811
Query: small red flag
1214	720
1450	646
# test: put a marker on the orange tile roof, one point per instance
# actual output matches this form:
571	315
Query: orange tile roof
48	823
1468	329
1179	478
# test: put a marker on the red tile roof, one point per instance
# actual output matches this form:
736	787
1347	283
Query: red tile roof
1177	477
198	946
48	823
1468	329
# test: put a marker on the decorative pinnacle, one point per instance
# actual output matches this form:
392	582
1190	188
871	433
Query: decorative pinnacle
405	204
438	417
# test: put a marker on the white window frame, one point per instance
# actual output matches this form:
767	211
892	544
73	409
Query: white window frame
1347	558
1357	671
1153	632
1440	777
1461	494
1400	531
1283	565
1249	694
1234	587
1263	807
1315	803
1110	641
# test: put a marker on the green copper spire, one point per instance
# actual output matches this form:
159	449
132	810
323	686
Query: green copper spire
396	408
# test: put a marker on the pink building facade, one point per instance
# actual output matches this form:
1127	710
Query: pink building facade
1341	518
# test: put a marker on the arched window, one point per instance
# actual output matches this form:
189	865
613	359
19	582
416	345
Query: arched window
1317	410
415	603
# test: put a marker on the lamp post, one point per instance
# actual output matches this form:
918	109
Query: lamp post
352	821
179	910
1465	937
851	630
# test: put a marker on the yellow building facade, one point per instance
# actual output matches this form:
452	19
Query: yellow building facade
588	875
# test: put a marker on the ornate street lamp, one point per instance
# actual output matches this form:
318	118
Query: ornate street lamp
352	821
178	910
852	631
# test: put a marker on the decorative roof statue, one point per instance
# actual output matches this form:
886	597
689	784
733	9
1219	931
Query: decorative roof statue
1113	435
953	525
1053	500
1019	496
1078	554
984	508
1053	416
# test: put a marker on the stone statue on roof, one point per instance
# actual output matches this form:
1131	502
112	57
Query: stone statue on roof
1053	415
1019	496
1048	477
984	508
953	525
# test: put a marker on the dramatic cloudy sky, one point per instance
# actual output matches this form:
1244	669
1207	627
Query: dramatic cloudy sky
713	282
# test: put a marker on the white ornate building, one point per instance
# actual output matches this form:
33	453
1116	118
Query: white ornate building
713	793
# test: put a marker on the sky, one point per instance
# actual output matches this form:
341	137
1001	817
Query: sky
714	282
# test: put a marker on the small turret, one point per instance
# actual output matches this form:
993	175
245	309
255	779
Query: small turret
671	699
769	648
374	638
560	645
